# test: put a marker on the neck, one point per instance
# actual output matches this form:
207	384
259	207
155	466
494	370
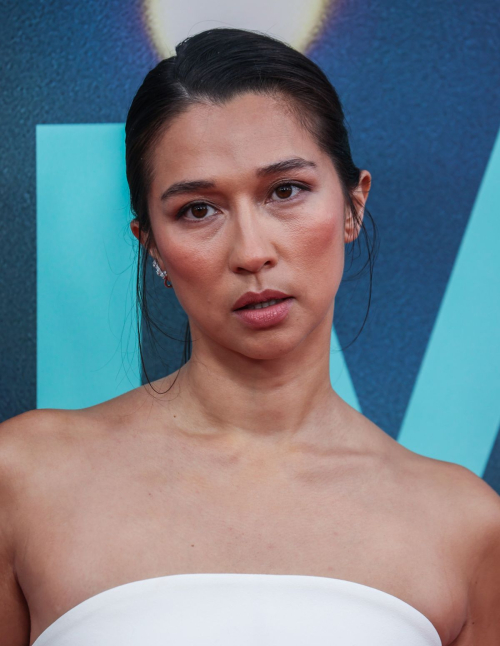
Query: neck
249	402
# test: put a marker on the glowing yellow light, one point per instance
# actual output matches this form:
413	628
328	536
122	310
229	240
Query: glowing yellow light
296	22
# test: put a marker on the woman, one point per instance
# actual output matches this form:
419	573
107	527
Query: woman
245	502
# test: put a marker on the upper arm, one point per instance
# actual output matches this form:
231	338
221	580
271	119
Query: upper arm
482	626
14	613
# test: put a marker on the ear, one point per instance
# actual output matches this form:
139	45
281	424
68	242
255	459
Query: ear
359	197
134	227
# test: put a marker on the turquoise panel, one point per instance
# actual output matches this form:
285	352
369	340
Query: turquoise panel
86	328
454	411
86	322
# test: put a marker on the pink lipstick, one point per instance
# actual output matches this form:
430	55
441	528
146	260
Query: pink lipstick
264	309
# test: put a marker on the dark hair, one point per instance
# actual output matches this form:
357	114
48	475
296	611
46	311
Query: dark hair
214	66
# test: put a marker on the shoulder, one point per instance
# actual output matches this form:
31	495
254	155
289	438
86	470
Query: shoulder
25	441
22	437
461	508
21	449
31	447
477	507
481	526
456	493
36	449
19	437
473	499
448	481
469	509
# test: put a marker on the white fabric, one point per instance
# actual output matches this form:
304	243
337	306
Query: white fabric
231	609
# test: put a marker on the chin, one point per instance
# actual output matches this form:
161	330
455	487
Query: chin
267	349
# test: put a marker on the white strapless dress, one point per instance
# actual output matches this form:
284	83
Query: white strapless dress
232	609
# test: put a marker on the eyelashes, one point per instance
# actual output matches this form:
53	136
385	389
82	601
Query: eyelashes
200	208
196	206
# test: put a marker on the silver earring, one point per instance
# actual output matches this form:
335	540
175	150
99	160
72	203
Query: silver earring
162	274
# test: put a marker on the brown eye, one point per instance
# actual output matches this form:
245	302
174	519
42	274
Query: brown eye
196	211
284	191
199	210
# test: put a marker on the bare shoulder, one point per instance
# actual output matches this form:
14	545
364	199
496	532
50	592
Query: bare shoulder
30	457
26	443
25	438
467	511
474	500
478	514
460	495
477	507
20	437
449	481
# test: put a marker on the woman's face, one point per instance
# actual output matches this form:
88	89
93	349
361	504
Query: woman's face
243	200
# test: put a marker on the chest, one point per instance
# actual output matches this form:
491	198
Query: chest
111	527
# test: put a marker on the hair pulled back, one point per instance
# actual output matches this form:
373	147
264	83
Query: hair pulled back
215	66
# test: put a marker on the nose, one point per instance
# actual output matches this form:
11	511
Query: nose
251	241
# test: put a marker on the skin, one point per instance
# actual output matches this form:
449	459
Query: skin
275	381
250	462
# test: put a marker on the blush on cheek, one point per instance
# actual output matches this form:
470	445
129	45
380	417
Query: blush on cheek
318	253
322	238
186	263
194	272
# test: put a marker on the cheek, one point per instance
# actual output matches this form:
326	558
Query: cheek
189	257
192	270
185	263
321	244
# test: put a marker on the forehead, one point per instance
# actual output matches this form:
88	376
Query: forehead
248	132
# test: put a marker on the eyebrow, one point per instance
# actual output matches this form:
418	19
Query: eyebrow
192	186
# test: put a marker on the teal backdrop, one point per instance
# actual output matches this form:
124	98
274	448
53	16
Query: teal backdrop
420	86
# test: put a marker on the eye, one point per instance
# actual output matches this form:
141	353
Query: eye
199	211
286	191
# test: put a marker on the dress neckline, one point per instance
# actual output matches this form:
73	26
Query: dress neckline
324	580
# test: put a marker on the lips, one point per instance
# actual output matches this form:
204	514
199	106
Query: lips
254	297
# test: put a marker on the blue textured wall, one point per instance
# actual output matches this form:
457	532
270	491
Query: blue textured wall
420	85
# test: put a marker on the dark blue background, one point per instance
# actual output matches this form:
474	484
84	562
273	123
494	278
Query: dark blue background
420	84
